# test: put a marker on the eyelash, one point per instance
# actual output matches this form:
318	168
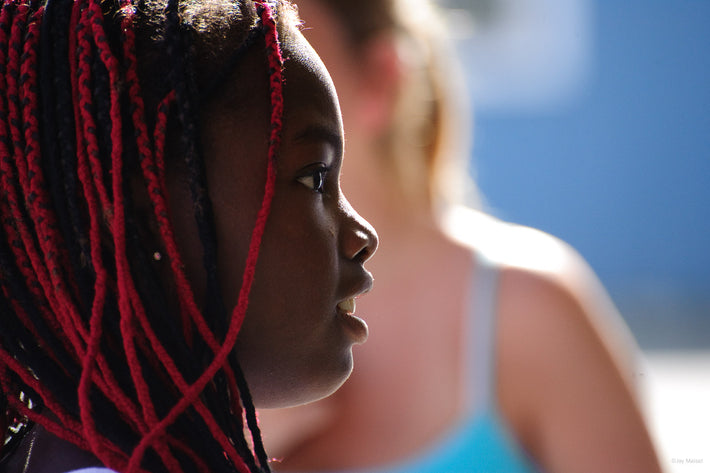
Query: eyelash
315	179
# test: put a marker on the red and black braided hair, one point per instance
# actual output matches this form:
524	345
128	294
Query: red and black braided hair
90	348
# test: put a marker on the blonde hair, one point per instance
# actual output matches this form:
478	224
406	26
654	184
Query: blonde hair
428	138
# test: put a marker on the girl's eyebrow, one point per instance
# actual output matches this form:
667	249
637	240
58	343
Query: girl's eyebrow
321	133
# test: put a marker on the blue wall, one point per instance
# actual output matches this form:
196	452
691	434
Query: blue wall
623	171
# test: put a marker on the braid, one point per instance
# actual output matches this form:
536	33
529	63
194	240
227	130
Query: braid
58	150
79	353
184	92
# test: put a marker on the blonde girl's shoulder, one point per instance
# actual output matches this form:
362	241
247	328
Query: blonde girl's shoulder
508	244
565	357
545	283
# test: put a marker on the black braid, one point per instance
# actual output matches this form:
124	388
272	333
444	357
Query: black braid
181	76
59	143
251	416
186	94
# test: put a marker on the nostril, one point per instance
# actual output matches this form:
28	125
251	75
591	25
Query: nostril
363	255
369	245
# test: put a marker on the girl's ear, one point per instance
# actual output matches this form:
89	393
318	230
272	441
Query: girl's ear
381	73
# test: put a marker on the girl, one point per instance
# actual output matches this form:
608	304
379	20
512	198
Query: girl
175	248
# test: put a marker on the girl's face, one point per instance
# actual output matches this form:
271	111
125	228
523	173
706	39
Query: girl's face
296	342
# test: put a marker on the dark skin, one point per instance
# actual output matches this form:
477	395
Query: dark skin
296	342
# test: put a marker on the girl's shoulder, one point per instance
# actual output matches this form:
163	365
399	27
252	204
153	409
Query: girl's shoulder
509	244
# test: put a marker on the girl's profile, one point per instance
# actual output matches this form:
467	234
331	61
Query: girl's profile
175	249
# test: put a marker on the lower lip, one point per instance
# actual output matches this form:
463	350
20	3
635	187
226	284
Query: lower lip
355	327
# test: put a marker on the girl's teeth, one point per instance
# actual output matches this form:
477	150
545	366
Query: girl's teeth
347	306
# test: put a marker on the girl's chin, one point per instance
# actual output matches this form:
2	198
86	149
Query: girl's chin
298	392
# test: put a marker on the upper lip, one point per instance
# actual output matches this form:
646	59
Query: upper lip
362	286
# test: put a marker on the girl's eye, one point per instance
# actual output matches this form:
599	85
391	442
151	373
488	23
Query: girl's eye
315	179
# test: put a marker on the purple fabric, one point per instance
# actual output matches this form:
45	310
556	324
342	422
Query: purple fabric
93	470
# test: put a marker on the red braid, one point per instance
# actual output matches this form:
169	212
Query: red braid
9	205
38	248
128	298
84	17
219	362
30	260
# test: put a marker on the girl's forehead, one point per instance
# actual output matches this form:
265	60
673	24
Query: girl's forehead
309	93
298	49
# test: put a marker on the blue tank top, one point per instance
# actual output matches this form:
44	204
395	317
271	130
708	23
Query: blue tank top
481	442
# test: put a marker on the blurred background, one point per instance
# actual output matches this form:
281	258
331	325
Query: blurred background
592	122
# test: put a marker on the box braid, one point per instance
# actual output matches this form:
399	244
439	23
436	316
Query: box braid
88	346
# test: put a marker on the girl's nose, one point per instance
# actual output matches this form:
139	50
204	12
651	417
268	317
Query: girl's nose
359	240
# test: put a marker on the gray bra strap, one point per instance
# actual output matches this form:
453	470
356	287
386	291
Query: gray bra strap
481	338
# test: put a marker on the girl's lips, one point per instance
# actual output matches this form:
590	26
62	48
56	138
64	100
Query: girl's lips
355	326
